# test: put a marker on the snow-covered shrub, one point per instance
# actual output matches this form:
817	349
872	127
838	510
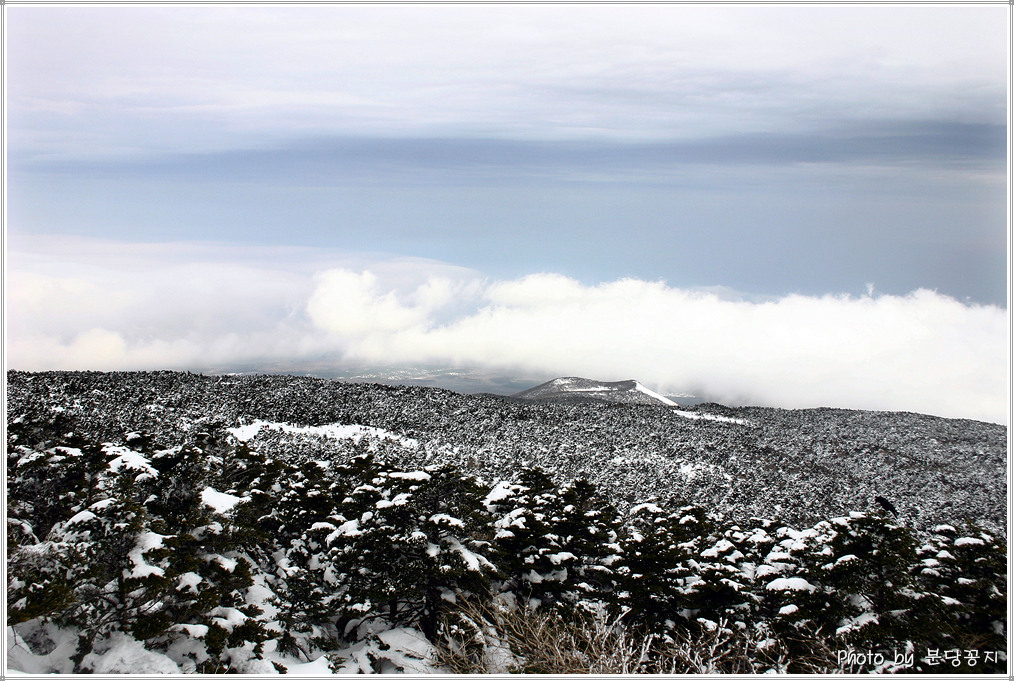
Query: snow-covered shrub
140	554
963	594
407	545
653	570
556	545
862	565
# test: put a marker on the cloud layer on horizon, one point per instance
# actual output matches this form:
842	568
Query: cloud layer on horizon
108	306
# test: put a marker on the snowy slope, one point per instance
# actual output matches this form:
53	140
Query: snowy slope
573	389
664	400
737	458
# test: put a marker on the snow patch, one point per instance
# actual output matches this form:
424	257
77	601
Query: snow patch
439	518
767	570
693	415
501	490
722	546
188	581
83	516
191	630
146	541
790	584
857	623
473	561
395	650
421	476
335	431
220	501
691	470
128	459
227	618
247	432
347	529
127	655
21	659
227	564
557	558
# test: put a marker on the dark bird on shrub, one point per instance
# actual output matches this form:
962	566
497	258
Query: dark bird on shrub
888	506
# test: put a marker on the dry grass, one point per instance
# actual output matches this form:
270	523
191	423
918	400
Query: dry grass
483	639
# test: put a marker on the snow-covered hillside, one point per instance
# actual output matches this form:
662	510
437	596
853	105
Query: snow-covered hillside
803	465
166	522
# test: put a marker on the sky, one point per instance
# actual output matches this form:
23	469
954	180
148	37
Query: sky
791	206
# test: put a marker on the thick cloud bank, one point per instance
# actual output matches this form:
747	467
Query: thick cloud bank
146	307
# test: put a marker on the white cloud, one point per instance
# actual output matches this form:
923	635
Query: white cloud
352	305
922	352
82	308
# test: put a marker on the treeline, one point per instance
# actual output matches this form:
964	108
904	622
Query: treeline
220	557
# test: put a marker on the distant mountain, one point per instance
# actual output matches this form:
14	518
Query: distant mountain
574	389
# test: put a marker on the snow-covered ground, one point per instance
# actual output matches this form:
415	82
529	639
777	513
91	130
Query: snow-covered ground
334	431
401	650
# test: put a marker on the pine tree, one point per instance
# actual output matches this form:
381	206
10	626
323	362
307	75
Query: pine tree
117	579
791	603
715	590
524	537
588	528
652	568
204	610
47	487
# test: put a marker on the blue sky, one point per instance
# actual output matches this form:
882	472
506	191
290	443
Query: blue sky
421	159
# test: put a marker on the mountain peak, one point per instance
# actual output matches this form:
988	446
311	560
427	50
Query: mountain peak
576	389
